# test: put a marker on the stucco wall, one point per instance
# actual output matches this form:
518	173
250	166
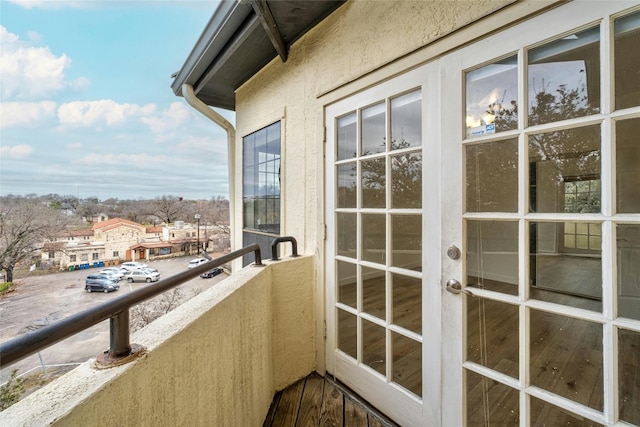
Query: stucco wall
359	37
216	360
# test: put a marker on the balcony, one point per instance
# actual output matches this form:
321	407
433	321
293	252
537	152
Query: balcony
219	358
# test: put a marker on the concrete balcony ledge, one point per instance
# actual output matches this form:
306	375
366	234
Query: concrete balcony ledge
217	359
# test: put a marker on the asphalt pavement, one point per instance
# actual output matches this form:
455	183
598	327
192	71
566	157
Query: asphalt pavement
40	300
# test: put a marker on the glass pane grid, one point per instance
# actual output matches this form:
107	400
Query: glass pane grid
378	213
560	189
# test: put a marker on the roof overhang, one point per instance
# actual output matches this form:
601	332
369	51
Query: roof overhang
240	39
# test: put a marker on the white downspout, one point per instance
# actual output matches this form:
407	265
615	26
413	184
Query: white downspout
196	103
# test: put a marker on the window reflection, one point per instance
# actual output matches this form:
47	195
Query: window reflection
564	274
374	238
492	176
406	121
346	234
406	184
564	78
628	166
628	246
555	158
492	255
346	185
373	130
374	183
627	65
346	138
492	98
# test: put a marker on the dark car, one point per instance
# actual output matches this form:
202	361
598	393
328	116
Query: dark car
212	273
100	283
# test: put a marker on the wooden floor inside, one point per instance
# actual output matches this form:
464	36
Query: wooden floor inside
318	401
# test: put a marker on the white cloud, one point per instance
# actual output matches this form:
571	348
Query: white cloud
168	120
16	152
26	114
74	146
99	113
134	160
32	72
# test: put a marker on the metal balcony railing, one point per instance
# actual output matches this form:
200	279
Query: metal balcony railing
117	311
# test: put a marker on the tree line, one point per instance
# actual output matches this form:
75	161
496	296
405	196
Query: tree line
28	221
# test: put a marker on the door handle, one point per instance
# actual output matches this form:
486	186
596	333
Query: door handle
453	286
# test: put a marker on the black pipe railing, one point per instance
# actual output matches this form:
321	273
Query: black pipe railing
274	247
116	310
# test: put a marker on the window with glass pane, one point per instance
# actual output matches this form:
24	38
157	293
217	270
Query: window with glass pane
492	255
492	176
261	180
564	78
378	237
628	166
627	64
492	98
569	275
561	157
628	251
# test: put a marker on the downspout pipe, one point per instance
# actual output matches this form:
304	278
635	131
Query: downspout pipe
191	98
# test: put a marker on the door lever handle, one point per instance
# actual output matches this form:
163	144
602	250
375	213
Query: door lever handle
453	286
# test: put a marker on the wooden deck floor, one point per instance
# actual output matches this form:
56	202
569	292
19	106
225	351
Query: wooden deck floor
318	401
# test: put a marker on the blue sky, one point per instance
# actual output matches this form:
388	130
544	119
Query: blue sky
86	104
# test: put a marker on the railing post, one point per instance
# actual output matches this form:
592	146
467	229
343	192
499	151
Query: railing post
274	247
119	328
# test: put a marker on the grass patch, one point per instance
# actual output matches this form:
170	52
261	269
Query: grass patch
4	287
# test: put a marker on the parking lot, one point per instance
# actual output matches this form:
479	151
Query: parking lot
43	299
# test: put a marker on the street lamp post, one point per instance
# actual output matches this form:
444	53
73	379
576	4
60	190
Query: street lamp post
197	216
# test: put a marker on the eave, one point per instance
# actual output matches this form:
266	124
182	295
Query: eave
240	39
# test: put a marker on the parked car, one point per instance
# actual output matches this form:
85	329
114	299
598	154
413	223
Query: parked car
115	275
212	273
132	265
117	270
142	275
100	283
196	262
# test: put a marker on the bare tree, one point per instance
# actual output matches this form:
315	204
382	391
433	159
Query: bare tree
168	208
146	312
24	225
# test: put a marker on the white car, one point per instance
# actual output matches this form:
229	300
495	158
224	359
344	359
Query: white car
196	262
115	275
142	275
133	265
114	270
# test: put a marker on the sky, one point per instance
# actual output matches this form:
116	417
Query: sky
86	106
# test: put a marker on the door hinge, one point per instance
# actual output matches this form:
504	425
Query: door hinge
324	322
325	232
324	134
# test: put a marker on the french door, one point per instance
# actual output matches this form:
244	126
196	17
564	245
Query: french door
483	229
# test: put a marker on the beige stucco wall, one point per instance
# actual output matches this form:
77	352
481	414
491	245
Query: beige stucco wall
343	47
215	360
